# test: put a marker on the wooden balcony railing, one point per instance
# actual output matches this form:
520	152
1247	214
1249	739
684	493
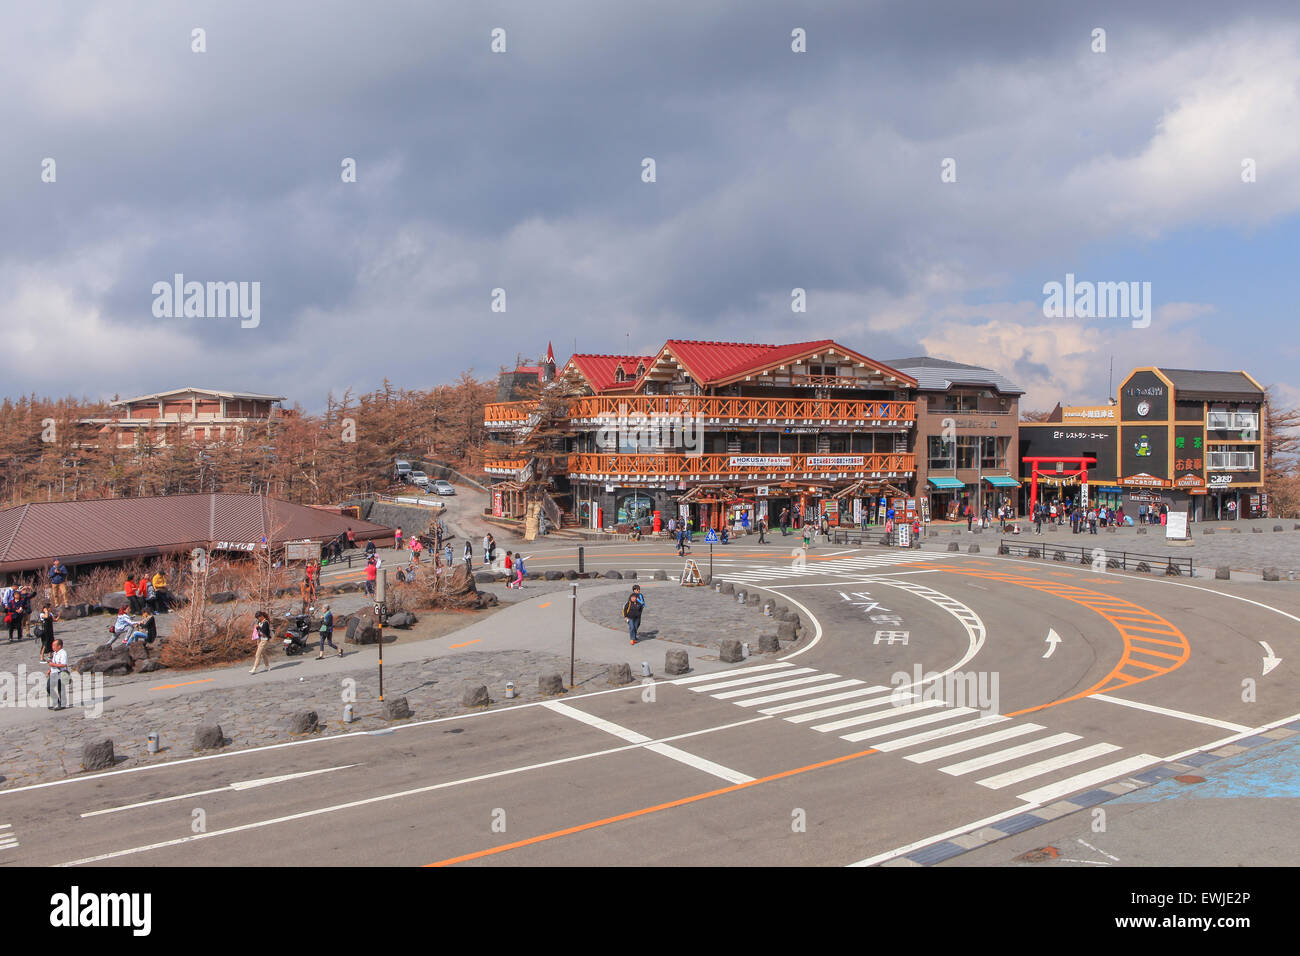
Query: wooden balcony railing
508	413
756	411
726	466
508	466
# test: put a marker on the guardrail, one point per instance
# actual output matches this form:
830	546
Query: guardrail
1111	559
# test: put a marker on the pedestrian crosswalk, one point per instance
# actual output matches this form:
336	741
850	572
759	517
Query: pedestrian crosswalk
994	751
7	839
811	565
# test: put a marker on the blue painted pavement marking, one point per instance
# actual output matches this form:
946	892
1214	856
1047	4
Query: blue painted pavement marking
1270	770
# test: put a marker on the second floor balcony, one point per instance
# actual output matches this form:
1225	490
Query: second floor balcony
729	467
748	410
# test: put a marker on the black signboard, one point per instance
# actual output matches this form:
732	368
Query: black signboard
1144	397
1144	450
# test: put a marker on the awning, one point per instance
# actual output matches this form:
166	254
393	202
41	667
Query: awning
947	484
1001	481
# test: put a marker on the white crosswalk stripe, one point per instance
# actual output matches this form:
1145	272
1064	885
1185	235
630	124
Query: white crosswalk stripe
969	741
7	839
843	567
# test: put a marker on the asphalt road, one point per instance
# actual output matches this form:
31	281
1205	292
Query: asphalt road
933	700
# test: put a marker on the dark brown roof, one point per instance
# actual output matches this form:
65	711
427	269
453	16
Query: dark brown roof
116	529
1201	385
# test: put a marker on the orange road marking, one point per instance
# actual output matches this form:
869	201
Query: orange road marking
540	606
1121	614
468	643
555	834
206	680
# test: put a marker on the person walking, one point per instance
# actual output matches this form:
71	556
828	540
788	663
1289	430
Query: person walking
785	522
469	555
762	530
327	633
397	539
970	516
520	570
352	539
372	572
807	537
46	632
632	612
449	555
262	634
417	548
58	583
510	568
57	674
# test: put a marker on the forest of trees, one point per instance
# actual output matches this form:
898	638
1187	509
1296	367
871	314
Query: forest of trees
47	455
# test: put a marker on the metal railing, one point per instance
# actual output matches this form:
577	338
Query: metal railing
714	408
716	466
1107	558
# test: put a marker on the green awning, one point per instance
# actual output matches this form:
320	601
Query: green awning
1001	481
947	484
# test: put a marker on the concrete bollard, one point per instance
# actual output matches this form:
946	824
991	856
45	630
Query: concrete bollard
768	643
752	599
973	549
676	662
1222	574
726	588
954	546
154	742
1271	574
785	630
729	651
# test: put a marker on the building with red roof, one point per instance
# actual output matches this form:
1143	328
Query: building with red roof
710	429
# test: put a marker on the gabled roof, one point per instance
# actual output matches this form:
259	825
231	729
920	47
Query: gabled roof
600	371
720	363
213	392
1201	385
115	529
937	375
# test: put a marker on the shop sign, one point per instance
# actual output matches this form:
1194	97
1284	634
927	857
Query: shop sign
761	491
759	461
834	461
1220	480
1189	481
1143	481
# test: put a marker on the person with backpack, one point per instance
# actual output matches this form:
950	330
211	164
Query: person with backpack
327	633
632	612
520	570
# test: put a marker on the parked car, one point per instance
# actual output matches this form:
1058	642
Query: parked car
403	470
443	487
419	478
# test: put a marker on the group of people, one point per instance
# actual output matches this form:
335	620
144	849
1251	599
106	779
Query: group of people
147	592
128	629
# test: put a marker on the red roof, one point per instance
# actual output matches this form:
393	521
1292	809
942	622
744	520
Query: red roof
711	362
600	370
117	529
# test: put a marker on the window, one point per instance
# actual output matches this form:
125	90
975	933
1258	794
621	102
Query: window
1224	419
1227	458
993	452
966	450
942	453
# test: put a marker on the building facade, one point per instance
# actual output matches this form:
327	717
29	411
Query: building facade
187	414
967	436
715	430
1191	440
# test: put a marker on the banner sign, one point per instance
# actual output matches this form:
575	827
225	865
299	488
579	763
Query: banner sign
759	461
834	461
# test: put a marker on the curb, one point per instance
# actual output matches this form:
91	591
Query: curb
955	846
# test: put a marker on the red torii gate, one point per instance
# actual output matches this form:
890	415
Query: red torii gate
1035	471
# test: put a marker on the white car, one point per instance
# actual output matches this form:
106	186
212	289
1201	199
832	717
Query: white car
443	487
419	478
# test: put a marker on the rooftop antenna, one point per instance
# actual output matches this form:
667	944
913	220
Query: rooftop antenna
1110	380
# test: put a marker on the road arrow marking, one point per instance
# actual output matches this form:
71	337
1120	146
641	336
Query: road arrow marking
1269	660
238	785
1052	640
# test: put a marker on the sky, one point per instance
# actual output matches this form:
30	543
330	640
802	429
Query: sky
523	170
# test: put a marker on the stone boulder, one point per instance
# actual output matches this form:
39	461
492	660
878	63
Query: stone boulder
768	643
97	755
350	587
676	662
727	588
148	667
954	546
362	627
619	674
222	597
614	575
659	576
209	737
973	549
729	651
1271	574
571	575
554	575
402	619
785	630
303	722
629	575
1222	574
113	600
113	660
484	577
396	708
549	685
475	695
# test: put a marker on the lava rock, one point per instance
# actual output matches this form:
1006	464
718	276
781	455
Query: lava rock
954	546
620	674
676	662
401	619
614	575
1271	574
209	737
768	643
475	696
550	684
97	755
659	575
396	708
973	549
1222	574
303	722
729	651
554	575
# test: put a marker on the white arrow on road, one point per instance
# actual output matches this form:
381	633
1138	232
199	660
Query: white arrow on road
1269	660
1052	640
237	785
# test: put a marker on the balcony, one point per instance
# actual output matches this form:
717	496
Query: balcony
503	415
510	466
715	410
722	467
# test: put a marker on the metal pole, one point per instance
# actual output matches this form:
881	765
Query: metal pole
710	560
573	634
381	592
582	559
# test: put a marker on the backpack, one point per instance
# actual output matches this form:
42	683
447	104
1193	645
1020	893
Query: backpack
632	608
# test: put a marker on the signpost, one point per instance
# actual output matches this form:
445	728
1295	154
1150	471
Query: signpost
381	593
1176	526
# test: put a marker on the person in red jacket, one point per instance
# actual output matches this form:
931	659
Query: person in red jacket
128	588
371	573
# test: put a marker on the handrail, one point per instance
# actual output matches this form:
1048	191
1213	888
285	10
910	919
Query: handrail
1108	558
714	407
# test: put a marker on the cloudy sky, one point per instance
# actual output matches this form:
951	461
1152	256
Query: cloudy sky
522	170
